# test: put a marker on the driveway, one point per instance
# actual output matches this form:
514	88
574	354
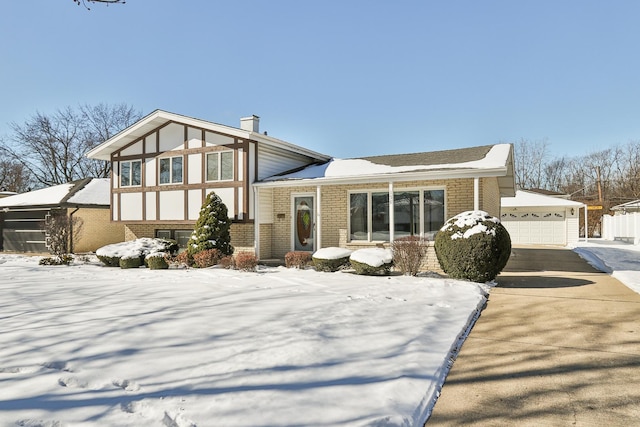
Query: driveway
557	345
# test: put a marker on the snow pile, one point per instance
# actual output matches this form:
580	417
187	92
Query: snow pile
332	253
133	249
375	257
96	346
619	259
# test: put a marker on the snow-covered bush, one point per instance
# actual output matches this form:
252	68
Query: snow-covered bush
131	262
64	259
212	228
473	246
331	259
409	253
156	261
111	255
372	261
297	259
207	258
246	261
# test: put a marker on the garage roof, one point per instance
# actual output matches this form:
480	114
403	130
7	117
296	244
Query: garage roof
528	199
84	192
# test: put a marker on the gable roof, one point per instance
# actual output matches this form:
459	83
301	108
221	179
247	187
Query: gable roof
484	161
530	199
159	118
632	205
88	192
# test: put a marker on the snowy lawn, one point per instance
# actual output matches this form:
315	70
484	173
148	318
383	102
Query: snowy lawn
88	345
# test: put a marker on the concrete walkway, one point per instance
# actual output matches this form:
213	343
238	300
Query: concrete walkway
557	345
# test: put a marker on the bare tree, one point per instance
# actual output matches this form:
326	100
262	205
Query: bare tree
530	160
63	232
107	2
13	176
52	147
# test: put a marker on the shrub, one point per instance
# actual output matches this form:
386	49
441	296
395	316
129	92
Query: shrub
212	228
207	258
246	261
473	246
156	261
64	259
111	255
409	253
109	261
297	259
374	261
331	259
227	262
134	262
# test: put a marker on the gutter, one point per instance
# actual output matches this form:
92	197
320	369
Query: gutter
71	229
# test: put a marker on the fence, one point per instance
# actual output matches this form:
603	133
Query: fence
622	227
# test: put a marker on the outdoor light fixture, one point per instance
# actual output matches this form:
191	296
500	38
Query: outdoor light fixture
572	211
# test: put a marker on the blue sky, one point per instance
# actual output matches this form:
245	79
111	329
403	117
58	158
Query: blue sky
343	77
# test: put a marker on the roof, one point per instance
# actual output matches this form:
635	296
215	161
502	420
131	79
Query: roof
632	205
159	118
548	193
529	199
483	161
88	192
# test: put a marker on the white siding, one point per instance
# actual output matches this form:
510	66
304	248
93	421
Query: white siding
226	194
134	150
195	203
150	143
171	205
115	170
151	206
150	172
194	138
195	169
573	230
131	209
216	139
273	161
114	207
172	137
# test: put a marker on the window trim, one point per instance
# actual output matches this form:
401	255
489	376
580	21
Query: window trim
370	191
130	175
218	154
171	181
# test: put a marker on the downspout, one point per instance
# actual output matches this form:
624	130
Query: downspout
476	194
318	218
392	214
71	229
256	221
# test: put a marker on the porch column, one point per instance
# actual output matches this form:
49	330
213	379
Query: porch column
476	194
256	221
392	218
586	226
318	219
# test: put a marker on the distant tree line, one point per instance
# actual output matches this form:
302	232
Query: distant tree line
49	149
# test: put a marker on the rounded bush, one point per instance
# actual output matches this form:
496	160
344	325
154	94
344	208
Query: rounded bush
372	262
110	261
473	246
156	262
330	259
130	262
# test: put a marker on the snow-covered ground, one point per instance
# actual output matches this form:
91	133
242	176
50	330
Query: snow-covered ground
88	345
621	260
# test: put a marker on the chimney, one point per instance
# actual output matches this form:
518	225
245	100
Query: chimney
252	123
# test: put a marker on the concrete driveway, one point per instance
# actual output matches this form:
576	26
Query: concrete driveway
557	345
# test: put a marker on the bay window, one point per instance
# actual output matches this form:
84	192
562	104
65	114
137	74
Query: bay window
415	213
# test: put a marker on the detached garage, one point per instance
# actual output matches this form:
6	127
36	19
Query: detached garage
532	218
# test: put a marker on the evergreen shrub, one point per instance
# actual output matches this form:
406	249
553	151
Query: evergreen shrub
212	228
109	261
156	261
64	259
134	262
331	259
473	246
372	262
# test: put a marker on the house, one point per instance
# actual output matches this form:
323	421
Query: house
624	208
283	197
533	218
23	216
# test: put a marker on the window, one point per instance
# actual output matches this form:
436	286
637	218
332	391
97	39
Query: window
220	166
415	213
130	173
171	170
180	236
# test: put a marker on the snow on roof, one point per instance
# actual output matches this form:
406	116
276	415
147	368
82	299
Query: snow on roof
496	157
528	199
96	192
93	192
634	204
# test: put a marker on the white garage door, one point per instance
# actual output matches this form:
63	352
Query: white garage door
535	227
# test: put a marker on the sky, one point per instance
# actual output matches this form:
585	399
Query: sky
345	78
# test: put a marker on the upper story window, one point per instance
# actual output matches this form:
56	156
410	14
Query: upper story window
220	166
130	173
171	170
415	213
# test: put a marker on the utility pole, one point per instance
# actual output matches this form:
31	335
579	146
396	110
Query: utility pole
599	185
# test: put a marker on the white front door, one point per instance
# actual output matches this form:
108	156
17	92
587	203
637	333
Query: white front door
304	230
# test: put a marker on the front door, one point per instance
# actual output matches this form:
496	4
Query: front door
304	229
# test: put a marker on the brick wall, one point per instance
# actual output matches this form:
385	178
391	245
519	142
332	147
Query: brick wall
97	229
